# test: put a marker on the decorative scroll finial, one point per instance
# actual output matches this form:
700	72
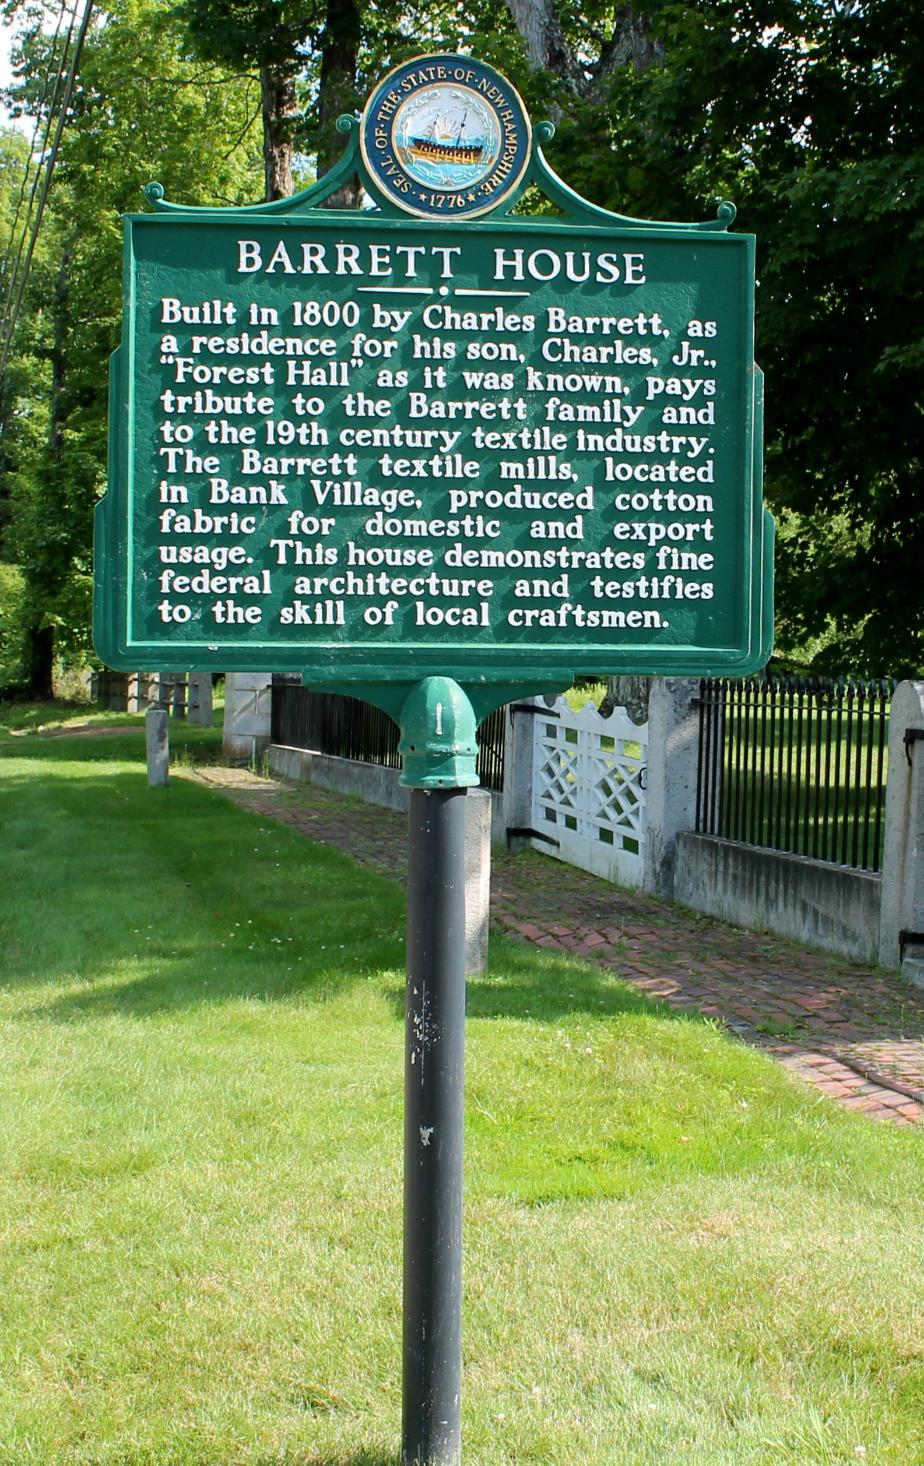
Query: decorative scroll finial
417	146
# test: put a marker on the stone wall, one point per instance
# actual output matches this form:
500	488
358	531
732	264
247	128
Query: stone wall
828	906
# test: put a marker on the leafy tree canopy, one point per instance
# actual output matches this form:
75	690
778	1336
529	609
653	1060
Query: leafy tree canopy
143	107
808	117
804	112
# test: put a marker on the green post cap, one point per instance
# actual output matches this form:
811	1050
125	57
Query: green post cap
438	744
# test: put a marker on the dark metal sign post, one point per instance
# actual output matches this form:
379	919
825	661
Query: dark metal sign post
434	1063
439	468
438	746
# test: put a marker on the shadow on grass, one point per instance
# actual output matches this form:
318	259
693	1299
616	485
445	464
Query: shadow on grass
529	983
117	738
522	985
147	900
534	985
144	901
23	715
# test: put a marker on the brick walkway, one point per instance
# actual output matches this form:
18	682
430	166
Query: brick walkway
855	1033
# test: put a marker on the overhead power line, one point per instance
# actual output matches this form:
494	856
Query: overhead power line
45	110
46	169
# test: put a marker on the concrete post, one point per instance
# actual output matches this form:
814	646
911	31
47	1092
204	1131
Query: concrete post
902	907
248	715
519	743
200	699
673	755
157	739
477	879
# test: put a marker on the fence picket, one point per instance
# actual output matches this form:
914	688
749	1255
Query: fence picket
789	764
347	727
821	742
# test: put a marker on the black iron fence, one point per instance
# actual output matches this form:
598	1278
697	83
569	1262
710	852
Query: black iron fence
795	764
490	762
350	728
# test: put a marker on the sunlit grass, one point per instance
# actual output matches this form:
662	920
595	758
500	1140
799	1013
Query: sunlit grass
673	1253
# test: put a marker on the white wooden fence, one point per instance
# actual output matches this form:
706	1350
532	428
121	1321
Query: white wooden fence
589	780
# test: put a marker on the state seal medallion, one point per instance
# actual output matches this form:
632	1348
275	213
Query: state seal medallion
445	137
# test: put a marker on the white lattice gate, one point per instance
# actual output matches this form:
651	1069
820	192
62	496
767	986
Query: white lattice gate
589	789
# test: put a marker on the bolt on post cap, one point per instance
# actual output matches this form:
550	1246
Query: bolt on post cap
438	744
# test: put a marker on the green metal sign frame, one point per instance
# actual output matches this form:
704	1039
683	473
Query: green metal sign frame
374	448
436	454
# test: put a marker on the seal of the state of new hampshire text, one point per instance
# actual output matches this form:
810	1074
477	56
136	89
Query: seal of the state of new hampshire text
445	137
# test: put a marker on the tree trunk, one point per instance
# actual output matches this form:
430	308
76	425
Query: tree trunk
546	47
277	99
40	655
631	693
337	94
631	45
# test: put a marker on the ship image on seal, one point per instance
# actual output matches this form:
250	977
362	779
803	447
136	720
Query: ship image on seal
445	144
447	137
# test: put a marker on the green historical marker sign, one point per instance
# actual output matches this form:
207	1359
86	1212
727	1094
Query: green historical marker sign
435	437
435	453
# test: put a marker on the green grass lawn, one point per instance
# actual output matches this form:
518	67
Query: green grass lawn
22	718
673	1253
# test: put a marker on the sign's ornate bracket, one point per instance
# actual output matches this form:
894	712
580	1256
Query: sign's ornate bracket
574	207
438	718
539	174
308	198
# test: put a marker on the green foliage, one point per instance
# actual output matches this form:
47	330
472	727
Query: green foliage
806	115
143	109
12	624
251	32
